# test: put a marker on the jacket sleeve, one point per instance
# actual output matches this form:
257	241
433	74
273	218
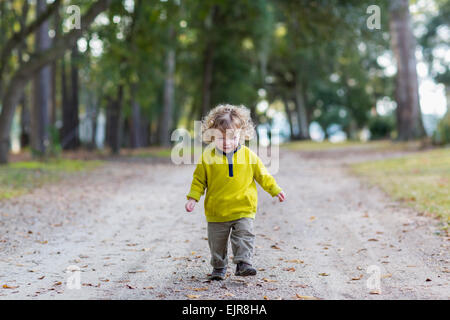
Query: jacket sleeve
199	184
265	179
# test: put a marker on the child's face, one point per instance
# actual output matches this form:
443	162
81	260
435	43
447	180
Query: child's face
228	141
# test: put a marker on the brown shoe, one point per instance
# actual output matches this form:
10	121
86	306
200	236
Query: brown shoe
218	274
244	269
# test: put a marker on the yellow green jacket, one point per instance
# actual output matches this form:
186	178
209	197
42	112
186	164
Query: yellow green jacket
229	181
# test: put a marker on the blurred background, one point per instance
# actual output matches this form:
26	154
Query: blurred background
123	74
92	90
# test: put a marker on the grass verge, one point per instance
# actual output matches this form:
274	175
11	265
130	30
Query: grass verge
421	180
380	145
20	177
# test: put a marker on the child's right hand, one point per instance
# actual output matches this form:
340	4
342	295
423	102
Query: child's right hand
281	196
190	205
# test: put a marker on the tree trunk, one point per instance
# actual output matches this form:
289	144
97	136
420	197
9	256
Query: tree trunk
169	89
53	93
409	116
289	118
207	79
70	139
135	120
58	31
301	111
145	132
11	96
208	63
42	90
93	112
25	126
24	122
65	100
115	125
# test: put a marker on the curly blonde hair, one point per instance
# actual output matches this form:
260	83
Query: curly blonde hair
227	116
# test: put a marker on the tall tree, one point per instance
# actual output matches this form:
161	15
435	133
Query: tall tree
409	116
169	88
40	118
11	94
70	136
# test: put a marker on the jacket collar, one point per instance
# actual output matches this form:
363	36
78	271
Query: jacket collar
229	153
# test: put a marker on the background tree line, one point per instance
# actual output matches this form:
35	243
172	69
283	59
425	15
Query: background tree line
151	66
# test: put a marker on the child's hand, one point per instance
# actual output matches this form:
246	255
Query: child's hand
281	196
190	205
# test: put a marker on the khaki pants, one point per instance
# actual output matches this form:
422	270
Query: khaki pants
242	241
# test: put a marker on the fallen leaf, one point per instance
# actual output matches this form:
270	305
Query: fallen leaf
92	285
375	292
149	287
298	296
358	277
192	296
292	269
324	274
275	247
269	280
5	286
295	261
266	298
201	289
373	239
137	271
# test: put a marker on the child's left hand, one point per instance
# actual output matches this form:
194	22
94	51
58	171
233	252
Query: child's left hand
281	196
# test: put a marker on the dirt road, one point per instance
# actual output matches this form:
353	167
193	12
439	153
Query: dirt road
125	229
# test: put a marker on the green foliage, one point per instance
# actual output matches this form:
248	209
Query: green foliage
325	46
442	134
55	148
334	56
381	127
